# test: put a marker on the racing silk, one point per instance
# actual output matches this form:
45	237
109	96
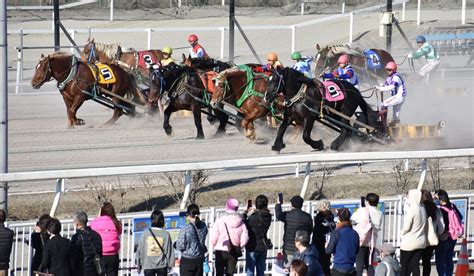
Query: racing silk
426	50
267	68
395	84
304	66
167	61
346	73
197	51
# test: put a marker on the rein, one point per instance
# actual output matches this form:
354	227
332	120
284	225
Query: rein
92	54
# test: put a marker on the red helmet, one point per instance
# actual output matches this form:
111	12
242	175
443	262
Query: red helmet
391	65
192	38
343	59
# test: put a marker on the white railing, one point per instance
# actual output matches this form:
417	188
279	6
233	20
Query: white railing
392	223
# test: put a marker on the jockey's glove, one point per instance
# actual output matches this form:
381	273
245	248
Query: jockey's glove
409	55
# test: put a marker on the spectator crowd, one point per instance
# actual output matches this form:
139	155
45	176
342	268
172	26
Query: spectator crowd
334	242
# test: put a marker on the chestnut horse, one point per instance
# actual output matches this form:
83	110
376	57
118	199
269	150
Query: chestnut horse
186	91
306	104
74	76
113	53
245	90
368	64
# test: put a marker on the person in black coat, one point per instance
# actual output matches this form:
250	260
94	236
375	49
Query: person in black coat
294	220
85	244
323	226
6	243
258	221
56	252
38	239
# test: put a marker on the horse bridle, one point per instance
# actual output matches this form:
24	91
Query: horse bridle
92	53
48	70
281	83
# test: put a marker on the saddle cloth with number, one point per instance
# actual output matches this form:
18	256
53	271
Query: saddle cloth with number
106	75
333	92
145	58
374	61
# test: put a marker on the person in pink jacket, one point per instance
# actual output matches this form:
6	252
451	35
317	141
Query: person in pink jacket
237	232
109	229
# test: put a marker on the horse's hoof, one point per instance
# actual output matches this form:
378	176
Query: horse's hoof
169	131
276	149
199	137
219	134
79	122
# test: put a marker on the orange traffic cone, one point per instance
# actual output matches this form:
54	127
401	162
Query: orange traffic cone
462	268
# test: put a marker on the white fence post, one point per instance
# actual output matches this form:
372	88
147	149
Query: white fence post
222	41
59	190
302	8
19	66
297	170
418	13
187	188
463	12
307	170
223	2
351	25
179	3
403	10
111	10
89	31
149	38
343	7
293	38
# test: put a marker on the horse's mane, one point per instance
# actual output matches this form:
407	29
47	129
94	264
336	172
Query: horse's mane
110	50
60	54
336	49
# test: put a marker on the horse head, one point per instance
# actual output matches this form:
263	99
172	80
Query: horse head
221	88
42	73
89	53
276	85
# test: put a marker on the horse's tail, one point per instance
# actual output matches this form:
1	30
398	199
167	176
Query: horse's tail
367	111
134	93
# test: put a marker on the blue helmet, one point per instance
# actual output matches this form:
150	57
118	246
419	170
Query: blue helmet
420	39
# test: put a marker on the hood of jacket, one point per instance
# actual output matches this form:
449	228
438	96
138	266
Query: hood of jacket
232	219
414	197
392	262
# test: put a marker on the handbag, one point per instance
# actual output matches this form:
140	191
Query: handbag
99	266
266	241
432	236
235	251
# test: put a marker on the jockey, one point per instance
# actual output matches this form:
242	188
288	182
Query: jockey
344	72
395	84
272	63
167	59
303	64
429	52
196	51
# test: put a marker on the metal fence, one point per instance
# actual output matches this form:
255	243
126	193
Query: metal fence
392	223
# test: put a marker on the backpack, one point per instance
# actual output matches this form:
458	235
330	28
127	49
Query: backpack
456	227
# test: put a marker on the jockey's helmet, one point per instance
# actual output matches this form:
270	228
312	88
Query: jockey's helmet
391	66
167	50
192	38
343	59
272	56
296	56
420	39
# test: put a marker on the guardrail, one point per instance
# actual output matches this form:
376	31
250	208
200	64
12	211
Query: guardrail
391	226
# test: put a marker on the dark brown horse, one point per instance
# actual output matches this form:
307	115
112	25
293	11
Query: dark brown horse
114	54
206	63
245	90
74	77
188	89
368	64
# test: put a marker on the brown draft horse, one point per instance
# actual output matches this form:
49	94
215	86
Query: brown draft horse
74	76
231	85
368	64
113	53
